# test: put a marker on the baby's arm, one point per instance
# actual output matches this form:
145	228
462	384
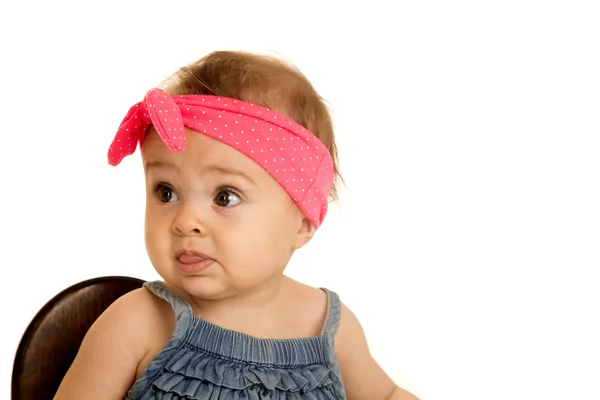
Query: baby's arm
106	364
363	377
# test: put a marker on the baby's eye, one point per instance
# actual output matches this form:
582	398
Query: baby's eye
227	198
165	194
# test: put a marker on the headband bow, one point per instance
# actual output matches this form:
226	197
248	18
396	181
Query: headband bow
291	154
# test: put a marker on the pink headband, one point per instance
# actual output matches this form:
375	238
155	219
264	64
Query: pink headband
292	155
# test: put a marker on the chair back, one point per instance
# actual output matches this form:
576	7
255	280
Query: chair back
52	339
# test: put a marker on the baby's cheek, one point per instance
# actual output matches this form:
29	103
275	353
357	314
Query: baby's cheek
154	249
157	241
255	257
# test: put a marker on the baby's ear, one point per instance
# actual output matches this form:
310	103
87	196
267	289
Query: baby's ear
305	233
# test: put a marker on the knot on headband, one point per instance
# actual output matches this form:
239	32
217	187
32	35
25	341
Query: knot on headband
290	153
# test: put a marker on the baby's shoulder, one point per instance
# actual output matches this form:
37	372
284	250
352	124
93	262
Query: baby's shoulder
137	320
325	306
138	313
308	295
307	308
115	345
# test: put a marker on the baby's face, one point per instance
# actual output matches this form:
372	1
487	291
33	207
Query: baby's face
234	224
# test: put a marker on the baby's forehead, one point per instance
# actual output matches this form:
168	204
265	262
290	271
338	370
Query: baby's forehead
201	151
196	142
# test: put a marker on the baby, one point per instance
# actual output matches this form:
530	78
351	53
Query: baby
240	163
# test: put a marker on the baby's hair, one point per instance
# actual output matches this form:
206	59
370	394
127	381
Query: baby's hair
263	80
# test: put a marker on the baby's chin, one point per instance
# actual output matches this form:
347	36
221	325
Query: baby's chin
212	288
198	287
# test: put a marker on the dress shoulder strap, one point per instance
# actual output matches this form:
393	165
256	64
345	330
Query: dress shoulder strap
183	311
334	312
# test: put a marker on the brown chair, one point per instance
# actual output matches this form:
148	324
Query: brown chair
52	339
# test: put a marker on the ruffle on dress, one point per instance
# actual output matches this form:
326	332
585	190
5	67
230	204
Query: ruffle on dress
194	375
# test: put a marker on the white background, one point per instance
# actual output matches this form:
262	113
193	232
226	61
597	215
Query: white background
467	237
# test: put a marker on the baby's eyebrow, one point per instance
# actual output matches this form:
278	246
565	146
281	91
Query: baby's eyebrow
230	171
159	164
219	169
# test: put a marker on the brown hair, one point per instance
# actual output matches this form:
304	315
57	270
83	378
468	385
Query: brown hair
262	80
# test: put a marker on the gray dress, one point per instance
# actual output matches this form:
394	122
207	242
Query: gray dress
203	361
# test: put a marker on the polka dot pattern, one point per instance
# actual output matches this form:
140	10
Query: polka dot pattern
290	153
